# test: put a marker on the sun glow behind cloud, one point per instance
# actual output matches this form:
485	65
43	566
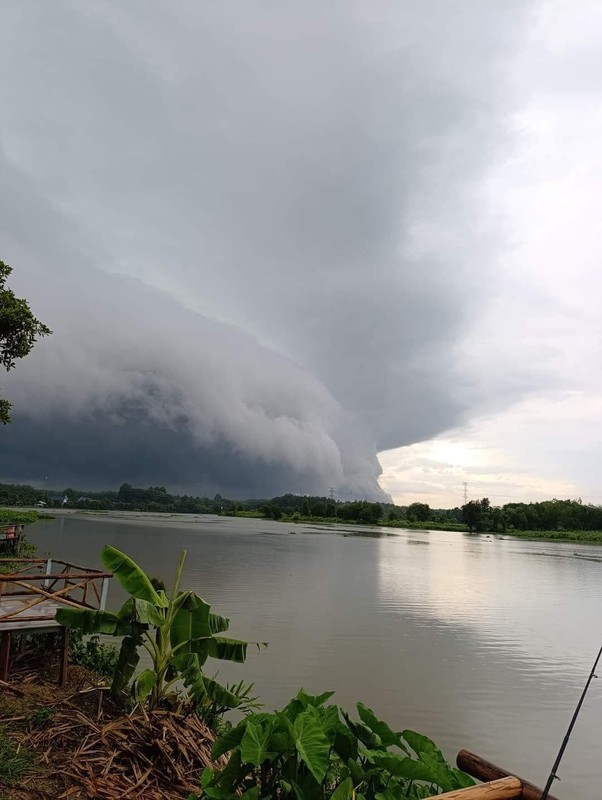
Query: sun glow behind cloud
497	458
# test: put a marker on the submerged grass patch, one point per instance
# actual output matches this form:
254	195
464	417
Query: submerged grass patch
583	537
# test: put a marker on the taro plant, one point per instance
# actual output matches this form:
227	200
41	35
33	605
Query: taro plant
310	751
178	631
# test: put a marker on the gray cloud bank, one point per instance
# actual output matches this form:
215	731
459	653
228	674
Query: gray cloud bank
255	229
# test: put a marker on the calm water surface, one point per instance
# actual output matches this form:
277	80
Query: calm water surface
478	642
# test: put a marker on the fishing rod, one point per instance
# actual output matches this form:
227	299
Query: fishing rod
553	774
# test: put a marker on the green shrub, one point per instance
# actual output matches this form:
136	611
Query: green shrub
312	751
93	654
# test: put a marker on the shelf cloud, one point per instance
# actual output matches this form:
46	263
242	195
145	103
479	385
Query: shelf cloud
259	232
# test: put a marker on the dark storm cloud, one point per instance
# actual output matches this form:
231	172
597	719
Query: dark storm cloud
308	174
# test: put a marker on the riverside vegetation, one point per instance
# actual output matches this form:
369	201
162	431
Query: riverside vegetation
555	519
164	728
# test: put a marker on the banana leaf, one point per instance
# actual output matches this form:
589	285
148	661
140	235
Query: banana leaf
133	579
126	663
144	684
227	649
141	611
191	621
218	624
201	688
87	620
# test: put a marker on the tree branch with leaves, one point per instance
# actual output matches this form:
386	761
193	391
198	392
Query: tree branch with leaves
19	331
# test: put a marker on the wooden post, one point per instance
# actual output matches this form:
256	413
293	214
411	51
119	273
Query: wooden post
103	594
4	656
504	789
486	771
48	571
64	656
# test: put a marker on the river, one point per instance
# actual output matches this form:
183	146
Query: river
479	642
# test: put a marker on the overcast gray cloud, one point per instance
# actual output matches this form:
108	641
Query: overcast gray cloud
259	231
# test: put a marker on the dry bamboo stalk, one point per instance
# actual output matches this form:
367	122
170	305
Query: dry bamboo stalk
47	595
502	789
37	601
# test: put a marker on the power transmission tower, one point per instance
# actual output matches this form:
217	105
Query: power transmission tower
465	485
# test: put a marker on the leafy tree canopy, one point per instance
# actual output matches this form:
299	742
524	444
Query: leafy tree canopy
19	331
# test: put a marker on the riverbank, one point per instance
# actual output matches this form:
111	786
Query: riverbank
28	516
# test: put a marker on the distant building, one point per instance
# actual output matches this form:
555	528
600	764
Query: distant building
58	499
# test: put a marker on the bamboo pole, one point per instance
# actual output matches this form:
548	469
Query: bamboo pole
486	771
55	596
503	789
47	595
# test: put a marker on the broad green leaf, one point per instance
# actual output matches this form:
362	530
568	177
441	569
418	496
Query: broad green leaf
133	579
298	791
232	774
361	732
88	620
345	745
227	649
141	611
344	790
208	776
308	788
292	709
463	780
220	695
357	773
144	684
331	721
228	741
403	767
218	624
126	663
191	621
254	746
314	700
444	774
369	718
201	688
422	744
252	793
312	744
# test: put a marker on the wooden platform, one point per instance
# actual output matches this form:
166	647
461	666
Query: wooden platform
34	589
19	617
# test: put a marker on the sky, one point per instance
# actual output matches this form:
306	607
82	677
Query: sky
293	246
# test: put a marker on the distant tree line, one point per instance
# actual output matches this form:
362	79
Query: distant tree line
477	515
548	515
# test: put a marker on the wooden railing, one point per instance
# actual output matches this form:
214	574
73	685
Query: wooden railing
34	581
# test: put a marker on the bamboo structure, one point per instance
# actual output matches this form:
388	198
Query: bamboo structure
33	591
502	789
486	771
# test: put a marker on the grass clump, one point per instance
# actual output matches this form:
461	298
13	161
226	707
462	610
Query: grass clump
14	760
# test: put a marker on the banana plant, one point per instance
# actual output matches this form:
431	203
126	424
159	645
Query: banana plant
178	631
